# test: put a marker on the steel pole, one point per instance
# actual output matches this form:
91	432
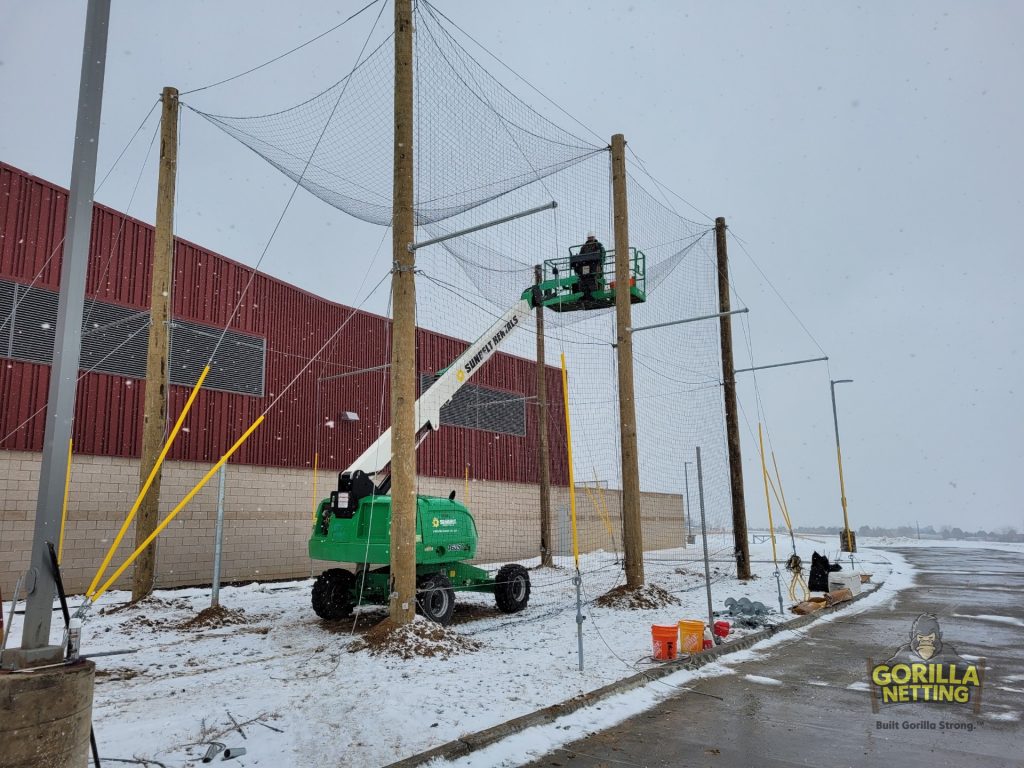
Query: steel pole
40	587
704	535
218	538
686	479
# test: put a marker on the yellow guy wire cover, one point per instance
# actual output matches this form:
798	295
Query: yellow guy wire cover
572	482
149	481
592	495
782	492
316	461
767	498
64	507
174	512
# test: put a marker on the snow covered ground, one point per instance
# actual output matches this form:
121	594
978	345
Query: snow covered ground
309	701
905	541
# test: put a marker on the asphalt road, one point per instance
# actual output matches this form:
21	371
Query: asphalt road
808	702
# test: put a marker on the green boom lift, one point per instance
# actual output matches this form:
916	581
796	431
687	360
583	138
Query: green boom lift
353	525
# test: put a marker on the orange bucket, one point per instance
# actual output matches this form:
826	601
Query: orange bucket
665	641
691	636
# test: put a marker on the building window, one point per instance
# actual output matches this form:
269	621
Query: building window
114	341
476	407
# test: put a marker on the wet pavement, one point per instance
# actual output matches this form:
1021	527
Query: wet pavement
809	703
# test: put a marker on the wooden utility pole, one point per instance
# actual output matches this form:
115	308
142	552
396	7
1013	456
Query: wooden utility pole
543	456
154	420
732	426
632	532
402	605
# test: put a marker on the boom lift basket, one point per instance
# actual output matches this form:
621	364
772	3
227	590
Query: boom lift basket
570	284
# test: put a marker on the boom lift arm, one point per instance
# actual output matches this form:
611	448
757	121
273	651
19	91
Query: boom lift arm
563	290
355	482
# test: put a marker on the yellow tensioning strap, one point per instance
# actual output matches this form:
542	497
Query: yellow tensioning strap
149	481
572	483
174	512
64	507
597	508
782	492
767	498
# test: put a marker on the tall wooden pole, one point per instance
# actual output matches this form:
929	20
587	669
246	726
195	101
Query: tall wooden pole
632	533
154	420
402	606
732	426
543	456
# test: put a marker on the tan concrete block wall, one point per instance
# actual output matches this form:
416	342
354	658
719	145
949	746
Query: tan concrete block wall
267	513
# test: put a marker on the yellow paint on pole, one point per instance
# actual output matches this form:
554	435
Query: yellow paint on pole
149	481
767	498
572	482
64	507
174	512
316	461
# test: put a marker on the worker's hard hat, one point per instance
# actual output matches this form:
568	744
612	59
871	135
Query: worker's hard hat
590	235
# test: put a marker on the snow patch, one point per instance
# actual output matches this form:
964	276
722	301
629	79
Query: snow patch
991	617
762	680
1003	717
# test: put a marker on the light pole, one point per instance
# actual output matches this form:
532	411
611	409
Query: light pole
847	535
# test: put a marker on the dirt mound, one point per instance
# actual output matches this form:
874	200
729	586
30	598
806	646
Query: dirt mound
149	603
214	617
646	598
415	640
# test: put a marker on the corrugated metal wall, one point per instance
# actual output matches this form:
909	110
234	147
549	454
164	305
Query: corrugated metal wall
295	325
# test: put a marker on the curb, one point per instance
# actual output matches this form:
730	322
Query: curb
476	741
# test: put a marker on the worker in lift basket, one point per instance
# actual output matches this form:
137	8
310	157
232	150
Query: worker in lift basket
588	264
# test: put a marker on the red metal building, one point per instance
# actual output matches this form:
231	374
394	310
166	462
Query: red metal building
277	330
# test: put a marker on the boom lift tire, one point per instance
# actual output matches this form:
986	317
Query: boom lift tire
435	599
332	594
512	588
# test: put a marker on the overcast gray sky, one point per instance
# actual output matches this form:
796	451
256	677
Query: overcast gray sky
868	155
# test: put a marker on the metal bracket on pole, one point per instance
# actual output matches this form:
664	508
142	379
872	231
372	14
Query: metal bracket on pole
780	365
413	247
688	320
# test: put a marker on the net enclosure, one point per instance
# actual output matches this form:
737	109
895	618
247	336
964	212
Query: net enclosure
482	152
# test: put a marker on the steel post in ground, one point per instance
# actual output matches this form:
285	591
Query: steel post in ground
689	520
578	581
218	539
704	535
39	584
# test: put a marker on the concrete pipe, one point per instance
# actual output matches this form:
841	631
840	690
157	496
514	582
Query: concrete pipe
45	716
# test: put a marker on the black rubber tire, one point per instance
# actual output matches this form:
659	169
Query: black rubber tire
512	588
435	599
332	594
